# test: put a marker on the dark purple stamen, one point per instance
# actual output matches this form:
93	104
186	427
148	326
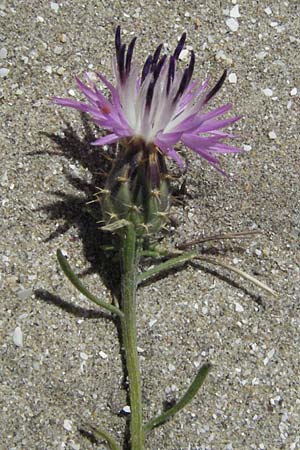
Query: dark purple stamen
216	88
171	73
159	65
149	95
179	46
191	66
156	54
120	60
146	68
118	39
129	55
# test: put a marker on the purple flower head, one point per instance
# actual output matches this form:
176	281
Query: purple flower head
160	106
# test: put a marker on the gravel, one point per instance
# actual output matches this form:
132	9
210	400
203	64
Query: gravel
60	358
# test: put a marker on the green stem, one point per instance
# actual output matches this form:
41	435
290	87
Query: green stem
102	434
129	258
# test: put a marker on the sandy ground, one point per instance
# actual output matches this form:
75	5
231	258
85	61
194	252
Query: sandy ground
67	369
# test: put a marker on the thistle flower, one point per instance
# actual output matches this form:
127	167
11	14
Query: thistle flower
159	107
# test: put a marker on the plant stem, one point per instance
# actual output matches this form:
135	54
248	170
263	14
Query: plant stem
129	258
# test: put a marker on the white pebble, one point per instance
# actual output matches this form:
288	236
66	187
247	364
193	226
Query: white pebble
84	356
4	72
68	425
294	91
204	310
103	355
40	19
3	53
126	409
58	50
272	135
261	55
268	92
48	69
247	147
234	12
232	24
232	78
24	294
268	11
239	307
184	55
54	6
152	322
18	337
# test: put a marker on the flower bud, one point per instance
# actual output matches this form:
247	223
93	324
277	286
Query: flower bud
137	188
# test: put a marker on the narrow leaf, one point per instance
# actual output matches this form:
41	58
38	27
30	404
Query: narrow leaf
185	399
72	277
102	434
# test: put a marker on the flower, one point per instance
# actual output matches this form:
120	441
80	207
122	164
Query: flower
161	106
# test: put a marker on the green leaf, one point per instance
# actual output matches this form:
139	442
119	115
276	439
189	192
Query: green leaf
72	277
185	399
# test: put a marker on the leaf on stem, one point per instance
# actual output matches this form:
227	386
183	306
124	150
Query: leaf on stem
185	399
72	277
100	435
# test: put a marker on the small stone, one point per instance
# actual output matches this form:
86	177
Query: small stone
60	71
294	91
3	53
48	69
232	24
268	92
103	355
239	307
67	425
152	322
40	19
126	409
71	92
54	6
63	38
4	72
24	294
261	55
272	135
74	445
232	78
58	50
184	55
18	337
268	11
84	356
234	12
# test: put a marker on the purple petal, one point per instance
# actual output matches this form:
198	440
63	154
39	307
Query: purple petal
109	139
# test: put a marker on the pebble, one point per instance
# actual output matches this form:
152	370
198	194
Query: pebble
261	55
126	409
268	92
184	55
3	53
84	356
232	78
58	50
24	294
4	72
48	69
67	425
103	355
272	135
54	6
234	12
60	71
232	24
239	307
18	337
63	38
294	91
268	11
